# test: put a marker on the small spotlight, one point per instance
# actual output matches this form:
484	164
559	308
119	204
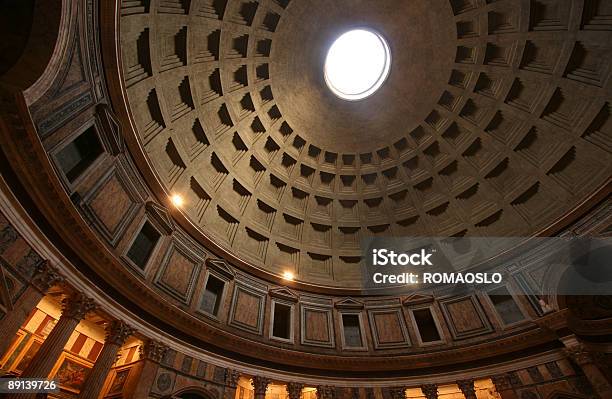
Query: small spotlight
288	276
177	200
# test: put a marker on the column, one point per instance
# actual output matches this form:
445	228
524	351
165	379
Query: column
588	362
430	391
467	387
44	278
151	354
74	309
398	392
294	389
116	334
260	385
325	392
231	382
503	386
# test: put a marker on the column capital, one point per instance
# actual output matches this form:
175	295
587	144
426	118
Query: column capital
231	378
430	391
77	306
294	389
397	392
325	392
46	276
502	382
467	387
582	355
117	332
590	363
153	350
579	352
260	384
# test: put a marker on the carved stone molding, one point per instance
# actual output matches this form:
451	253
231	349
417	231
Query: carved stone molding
325	392
46	276
77	306
430	391
294	389
231	378
260	385
117	332
467	387
153	351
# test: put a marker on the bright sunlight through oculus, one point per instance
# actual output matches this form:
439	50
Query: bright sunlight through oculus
357	64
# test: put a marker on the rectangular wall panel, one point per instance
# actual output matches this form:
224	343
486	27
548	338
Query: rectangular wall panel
388	328
247	308
112	203
317	327
178	272
465	317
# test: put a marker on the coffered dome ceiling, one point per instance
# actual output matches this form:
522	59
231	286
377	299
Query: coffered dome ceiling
494	121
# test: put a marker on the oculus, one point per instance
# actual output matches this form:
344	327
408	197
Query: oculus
357	64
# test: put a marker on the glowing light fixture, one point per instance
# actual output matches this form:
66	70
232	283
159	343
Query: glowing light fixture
357	64
287	275
177	200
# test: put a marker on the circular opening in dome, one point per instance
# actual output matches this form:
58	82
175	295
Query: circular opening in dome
357	64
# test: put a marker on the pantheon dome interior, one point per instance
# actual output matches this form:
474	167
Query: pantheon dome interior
189	190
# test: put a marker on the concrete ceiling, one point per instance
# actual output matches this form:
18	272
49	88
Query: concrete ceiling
495	121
